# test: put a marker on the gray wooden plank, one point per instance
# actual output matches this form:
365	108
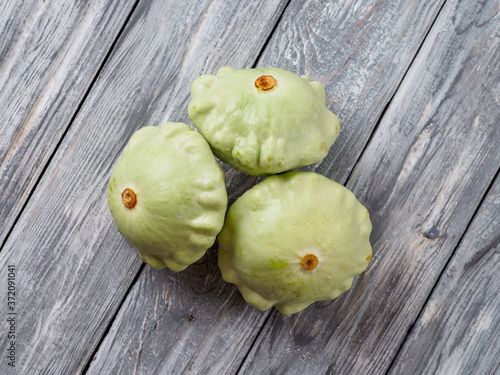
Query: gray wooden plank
173	333
360	51
50	53
421	177
73	267
458	330
222	326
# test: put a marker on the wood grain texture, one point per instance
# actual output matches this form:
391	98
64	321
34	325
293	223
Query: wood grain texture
193	322
459	329
360	51
218	336
50	51
74	268
166	325
421	177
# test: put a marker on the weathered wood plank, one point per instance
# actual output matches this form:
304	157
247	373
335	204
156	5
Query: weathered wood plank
422	175
172	333
166	325
73	266
222	325
360	51
50	53
458	331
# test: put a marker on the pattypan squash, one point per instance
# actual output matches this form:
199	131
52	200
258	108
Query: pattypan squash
167	195
294	239
263	121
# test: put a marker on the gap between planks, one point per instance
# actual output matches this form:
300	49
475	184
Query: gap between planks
113	318
136	277
63	136
253	66
395	92
348	179
441	274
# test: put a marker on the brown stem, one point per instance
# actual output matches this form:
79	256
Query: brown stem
309	262
265	83
129	198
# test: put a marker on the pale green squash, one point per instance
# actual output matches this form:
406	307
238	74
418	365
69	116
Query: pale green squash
294	239
167	195
263	121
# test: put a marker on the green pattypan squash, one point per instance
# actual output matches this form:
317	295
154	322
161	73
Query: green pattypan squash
167	195
294	239
263	121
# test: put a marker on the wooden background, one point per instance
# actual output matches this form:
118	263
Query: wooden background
416	85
